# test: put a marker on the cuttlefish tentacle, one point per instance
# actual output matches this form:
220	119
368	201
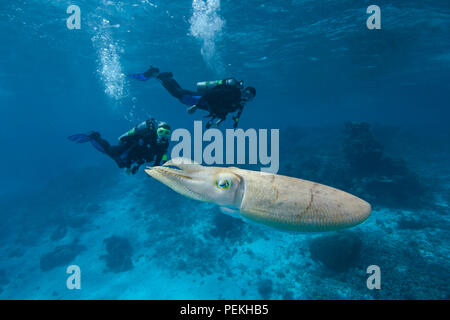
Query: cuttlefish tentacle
278	201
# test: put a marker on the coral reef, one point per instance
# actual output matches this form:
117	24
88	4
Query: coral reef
226	226
118	256
362	152
386	180
338	252
360	167
60	256
265	288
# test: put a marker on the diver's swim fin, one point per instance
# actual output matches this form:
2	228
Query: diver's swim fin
150	73
83	138
139	76
79	138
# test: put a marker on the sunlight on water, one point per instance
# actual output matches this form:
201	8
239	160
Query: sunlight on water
109	68
207	25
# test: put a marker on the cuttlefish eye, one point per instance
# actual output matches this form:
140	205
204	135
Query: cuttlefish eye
223	184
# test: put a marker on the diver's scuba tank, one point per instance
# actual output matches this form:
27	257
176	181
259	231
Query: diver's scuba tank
204	86
140	129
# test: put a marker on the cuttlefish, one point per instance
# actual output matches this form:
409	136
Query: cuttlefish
278	201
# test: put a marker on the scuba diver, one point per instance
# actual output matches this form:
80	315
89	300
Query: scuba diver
218	97
137	146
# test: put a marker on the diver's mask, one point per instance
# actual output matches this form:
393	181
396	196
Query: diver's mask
163	134
247	95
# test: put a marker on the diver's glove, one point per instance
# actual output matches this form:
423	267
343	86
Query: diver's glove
235	122
192	109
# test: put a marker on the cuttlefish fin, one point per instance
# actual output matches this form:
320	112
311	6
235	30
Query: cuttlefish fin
235	213
230	211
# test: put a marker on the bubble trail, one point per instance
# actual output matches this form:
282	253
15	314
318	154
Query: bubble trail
207	25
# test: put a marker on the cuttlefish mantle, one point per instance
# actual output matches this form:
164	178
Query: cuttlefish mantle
278	201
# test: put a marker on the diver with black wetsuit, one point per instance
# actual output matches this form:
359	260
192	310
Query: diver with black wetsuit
217	97
147	141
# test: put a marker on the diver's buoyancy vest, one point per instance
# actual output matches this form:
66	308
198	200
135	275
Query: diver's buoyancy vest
204	86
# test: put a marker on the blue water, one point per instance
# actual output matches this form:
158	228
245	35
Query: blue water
315	66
